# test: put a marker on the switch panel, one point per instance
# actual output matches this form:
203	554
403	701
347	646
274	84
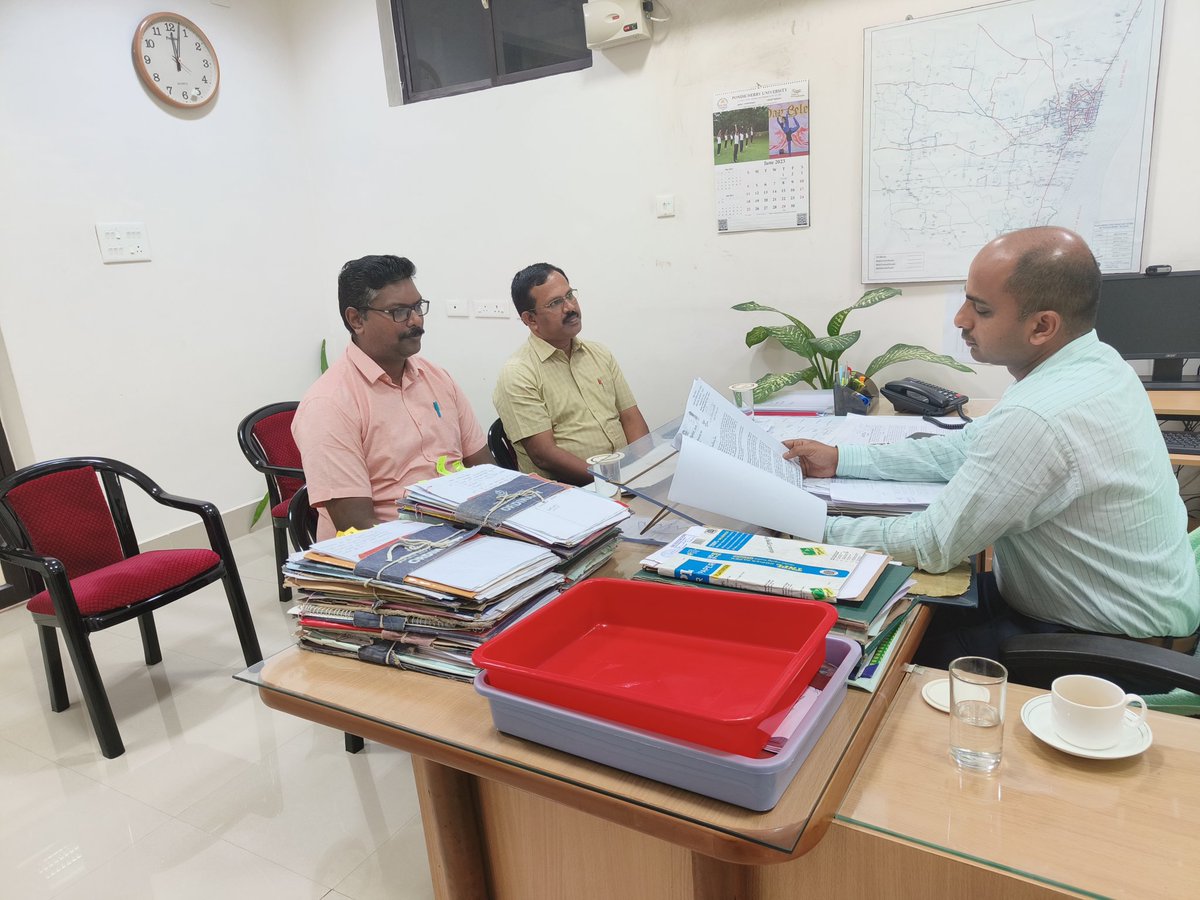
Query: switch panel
458	309
123	242
492	309
664	205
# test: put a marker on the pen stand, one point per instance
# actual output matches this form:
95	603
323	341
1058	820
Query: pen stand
859	396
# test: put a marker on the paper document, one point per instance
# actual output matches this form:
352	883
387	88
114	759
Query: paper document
712	480
361	544
715	422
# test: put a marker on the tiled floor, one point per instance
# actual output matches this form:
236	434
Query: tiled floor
216	795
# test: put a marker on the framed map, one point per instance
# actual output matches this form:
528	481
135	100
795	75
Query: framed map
982	121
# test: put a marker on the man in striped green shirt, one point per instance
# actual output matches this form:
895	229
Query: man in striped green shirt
1067	477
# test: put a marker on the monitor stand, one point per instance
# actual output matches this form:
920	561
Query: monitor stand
1168	376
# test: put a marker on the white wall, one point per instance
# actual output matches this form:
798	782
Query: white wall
300	165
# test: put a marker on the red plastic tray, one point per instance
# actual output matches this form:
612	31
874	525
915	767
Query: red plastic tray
700	665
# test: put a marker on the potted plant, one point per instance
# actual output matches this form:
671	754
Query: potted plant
824	353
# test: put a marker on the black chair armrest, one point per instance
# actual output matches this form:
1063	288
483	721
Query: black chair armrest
1037	659
283	471
45	566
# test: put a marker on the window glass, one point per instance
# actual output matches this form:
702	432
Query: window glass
448	43
532	34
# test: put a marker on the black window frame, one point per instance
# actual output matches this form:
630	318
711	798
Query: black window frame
496	80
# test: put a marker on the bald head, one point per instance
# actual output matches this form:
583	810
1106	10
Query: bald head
1050	268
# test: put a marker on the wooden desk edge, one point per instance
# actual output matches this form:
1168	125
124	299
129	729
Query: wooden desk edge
694	836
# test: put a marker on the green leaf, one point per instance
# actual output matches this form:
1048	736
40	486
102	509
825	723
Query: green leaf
260	509
773	382
869	298
905	352
324	358
836	344
795	339
757	335
754	306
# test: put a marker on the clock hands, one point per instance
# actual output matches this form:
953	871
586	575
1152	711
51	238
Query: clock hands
175	43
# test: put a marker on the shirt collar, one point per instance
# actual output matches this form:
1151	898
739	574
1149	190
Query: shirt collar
1070	352
371	370
545	350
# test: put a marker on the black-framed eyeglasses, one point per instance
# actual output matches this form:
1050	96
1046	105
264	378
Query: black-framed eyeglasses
557	302
402	314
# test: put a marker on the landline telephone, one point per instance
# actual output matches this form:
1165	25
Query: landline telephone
925	399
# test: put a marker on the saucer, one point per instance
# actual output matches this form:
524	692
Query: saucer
937	693
1135	738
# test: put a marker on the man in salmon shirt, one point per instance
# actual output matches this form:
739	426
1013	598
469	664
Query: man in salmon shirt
380	418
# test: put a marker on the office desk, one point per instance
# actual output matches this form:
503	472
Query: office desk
1121	828
1177	405
507	818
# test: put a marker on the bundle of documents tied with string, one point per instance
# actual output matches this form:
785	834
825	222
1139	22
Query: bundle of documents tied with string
865	586
416	595
577	525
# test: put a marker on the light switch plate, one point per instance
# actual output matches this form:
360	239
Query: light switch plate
122	242
458	309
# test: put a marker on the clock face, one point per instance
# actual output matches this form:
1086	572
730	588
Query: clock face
175	60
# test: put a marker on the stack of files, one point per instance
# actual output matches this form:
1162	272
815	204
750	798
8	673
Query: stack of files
769	565
861	497
565	519
415	595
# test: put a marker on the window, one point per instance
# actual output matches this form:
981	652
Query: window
453	46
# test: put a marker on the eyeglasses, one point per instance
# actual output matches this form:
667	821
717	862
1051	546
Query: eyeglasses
402	314
557	302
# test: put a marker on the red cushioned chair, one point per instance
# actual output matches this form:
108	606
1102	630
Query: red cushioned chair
72	530
265	437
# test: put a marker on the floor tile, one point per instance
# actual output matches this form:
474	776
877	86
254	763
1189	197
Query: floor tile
180	862
398	870
312	807
57	825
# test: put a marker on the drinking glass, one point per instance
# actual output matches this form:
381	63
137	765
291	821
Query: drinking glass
977	689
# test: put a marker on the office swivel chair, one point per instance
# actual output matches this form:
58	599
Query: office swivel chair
1037	659
501	446
66	522
265	437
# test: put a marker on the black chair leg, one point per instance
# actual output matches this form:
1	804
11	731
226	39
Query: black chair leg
247	636
150	648
353	742
281	555
56	680
95	697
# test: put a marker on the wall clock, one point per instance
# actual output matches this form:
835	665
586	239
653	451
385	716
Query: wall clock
176	60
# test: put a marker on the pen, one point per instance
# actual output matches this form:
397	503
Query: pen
437	409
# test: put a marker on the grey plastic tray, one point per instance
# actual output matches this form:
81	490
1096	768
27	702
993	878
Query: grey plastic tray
751	783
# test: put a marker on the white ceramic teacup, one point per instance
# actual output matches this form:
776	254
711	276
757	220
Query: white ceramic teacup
1089	712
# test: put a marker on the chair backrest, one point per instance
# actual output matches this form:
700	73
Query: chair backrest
501	446
301	520
266	440
59	509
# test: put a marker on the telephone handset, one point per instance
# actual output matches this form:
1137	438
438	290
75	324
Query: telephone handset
924	399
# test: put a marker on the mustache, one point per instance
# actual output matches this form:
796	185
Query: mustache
414	332
571	317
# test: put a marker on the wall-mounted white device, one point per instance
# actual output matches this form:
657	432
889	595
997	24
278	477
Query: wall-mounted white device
609	23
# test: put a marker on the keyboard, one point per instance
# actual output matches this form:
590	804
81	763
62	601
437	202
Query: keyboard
1182	441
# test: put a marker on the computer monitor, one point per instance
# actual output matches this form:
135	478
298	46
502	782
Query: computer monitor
1153	317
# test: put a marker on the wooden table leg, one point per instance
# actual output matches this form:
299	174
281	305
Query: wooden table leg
450	817
713	879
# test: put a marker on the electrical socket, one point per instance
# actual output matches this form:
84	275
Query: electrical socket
458	309
491	309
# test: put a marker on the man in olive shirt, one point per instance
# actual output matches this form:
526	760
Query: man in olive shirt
561	399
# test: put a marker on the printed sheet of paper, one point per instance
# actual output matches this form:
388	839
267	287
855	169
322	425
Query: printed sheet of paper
710	479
